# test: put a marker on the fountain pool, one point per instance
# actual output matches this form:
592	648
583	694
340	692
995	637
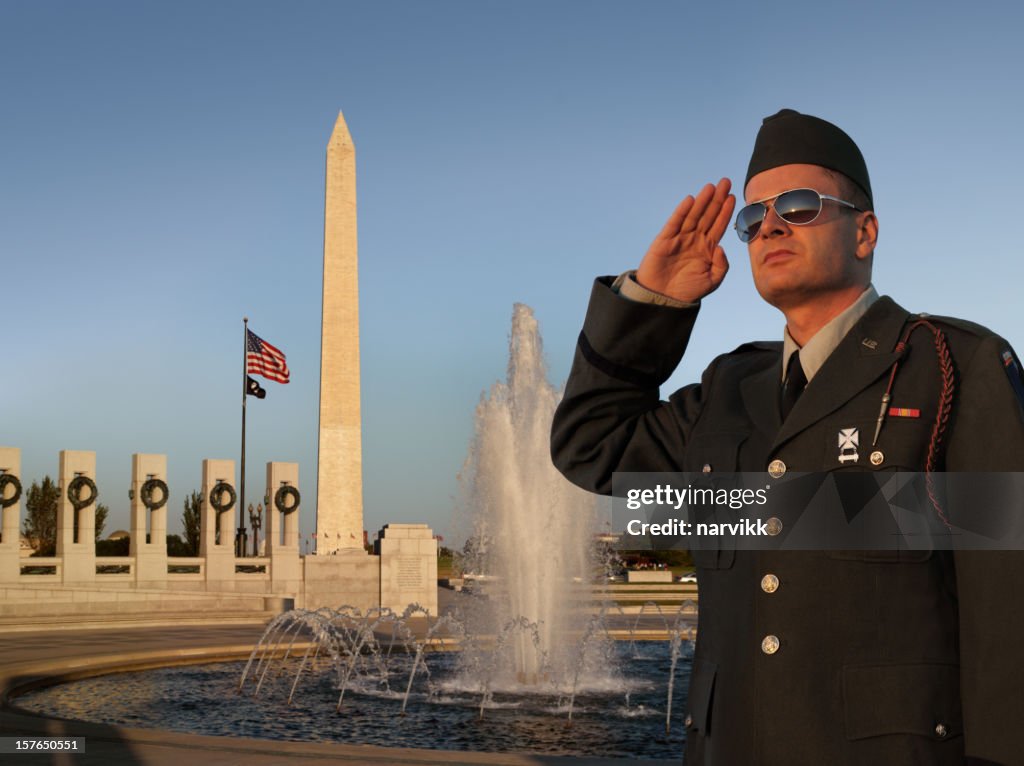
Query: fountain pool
625	718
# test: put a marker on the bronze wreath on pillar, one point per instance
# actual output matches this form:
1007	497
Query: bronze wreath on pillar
283	493
7	479
146	493
217	494
75	487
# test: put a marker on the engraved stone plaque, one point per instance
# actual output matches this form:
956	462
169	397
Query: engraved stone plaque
409	572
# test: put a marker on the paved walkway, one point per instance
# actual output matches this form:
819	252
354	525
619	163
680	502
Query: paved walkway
30	658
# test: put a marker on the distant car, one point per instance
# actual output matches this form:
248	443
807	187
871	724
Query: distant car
687	578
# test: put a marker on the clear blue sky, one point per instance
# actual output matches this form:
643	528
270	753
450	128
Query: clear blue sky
161	175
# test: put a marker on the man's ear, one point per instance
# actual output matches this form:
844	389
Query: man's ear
867	234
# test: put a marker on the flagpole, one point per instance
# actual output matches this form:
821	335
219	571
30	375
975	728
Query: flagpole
240	538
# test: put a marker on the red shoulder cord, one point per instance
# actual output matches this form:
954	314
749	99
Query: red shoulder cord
942	412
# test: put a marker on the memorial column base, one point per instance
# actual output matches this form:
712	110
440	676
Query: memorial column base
408	567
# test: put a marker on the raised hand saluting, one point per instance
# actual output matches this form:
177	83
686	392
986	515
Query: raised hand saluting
685	261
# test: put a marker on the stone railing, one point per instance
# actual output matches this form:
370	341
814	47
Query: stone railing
147	564
402	572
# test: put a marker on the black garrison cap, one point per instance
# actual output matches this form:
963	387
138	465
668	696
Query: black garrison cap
788	137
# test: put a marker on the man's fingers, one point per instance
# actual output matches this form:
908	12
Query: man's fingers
685	260
719	265
700	205
721	222
711	212
675	221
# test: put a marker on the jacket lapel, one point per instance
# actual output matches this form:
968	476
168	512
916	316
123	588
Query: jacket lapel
761	393
865	354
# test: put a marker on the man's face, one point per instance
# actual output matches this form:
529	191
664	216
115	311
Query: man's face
824	260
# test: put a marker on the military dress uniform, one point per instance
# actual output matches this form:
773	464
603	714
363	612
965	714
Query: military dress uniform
820	657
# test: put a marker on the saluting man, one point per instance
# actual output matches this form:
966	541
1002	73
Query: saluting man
814	657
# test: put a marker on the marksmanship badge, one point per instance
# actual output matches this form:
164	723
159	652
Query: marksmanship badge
849	440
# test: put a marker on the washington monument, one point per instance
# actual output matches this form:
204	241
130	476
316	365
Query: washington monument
339	502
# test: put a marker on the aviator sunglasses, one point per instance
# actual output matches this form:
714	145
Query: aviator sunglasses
796	206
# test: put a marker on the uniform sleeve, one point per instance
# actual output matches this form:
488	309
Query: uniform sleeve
627	286
988	436
611	417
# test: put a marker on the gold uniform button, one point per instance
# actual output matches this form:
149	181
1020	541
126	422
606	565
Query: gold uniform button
876	457
769	583
776	469
773	525
941	730
770	644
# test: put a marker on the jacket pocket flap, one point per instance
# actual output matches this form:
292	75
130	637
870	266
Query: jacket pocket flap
920	698
698	702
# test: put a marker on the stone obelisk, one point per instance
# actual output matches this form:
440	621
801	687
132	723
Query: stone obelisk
339	502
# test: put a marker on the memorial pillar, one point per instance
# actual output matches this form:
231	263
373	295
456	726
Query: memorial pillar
217	535
281	502
149	486
76	517
11	498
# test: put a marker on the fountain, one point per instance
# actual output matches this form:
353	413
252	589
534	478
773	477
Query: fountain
532	531
533	644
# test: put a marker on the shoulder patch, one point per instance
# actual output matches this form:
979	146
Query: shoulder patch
1013	372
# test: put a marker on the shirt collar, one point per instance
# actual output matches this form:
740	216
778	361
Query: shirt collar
814	353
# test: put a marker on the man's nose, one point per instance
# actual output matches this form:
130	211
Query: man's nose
772	225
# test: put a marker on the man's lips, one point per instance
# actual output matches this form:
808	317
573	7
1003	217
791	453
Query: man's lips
775	255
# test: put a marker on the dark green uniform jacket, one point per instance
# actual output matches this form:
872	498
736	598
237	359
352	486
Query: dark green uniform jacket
883	658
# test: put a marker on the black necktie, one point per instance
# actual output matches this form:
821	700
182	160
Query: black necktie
794	384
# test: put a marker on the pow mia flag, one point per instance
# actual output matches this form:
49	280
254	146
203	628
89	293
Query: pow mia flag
252	388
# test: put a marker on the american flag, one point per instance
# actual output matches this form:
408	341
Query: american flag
261	358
